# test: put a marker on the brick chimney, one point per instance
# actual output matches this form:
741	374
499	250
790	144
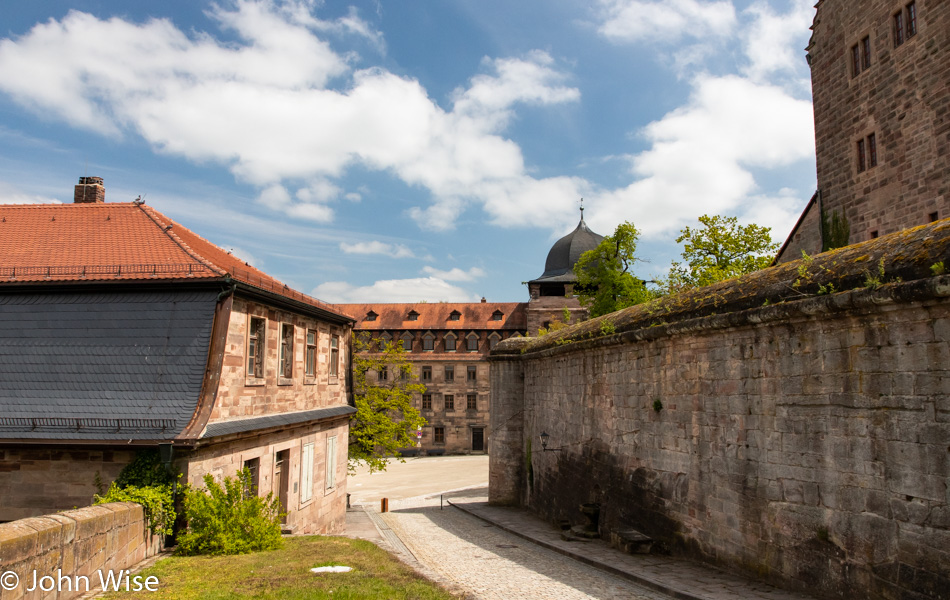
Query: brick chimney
90	190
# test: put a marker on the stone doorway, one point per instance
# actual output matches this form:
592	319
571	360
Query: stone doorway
478	439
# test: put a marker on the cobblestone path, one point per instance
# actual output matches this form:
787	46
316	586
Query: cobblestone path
488	563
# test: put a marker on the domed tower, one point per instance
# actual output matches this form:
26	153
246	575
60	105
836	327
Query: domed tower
553	291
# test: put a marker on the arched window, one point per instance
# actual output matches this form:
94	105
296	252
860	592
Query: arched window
384	339
471	342
450	341
493	340
428	342
407	341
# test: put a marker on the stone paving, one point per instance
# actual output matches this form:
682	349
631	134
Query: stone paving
486	552
486	563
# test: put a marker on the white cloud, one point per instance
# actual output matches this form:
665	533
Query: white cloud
9	194
701	154
15	197
706	155
376	247
455	274
772	42
665	20
429	289
262	107
277	197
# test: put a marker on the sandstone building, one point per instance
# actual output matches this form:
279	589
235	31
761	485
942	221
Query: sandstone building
881	87
448	344
121	330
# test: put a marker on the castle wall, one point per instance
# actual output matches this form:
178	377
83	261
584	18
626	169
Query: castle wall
804	442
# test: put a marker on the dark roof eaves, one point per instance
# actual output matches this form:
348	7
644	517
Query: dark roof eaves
272	421
289	303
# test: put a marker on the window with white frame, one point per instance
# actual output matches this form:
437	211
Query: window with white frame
311	353
306	472
334	355
255	347
331	462
286	350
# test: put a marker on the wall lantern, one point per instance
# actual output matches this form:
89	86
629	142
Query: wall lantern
544	443
166	453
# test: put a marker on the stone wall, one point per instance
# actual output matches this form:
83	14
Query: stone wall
902	97
76	544
241	396
804	441
38	479
324	511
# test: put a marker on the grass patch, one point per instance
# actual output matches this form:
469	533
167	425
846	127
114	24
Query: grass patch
285	574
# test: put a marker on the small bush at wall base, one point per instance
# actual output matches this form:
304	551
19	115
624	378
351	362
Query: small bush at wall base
225	519
157	500
657	405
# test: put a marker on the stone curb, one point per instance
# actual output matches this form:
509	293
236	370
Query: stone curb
647	582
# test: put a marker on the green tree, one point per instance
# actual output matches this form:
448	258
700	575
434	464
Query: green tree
720	249
385	419
605	282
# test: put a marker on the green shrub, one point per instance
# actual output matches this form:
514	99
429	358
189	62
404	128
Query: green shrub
225	519
145	470
158	501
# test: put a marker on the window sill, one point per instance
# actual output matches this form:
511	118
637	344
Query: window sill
285	381
254	381
336	381
309	380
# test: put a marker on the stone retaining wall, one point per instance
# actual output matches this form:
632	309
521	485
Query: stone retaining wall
805	442
81	542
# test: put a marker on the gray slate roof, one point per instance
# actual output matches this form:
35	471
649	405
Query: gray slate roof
102	365
255	423
565	252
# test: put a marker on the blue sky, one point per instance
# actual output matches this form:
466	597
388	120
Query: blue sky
411	150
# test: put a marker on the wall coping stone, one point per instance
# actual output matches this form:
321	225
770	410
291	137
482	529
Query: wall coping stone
769	295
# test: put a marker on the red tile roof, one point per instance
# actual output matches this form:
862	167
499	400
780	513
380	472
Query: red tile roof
113	242
435	315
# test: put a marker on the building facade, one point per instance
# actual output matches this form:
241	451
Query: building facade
448	345
881	90
122	330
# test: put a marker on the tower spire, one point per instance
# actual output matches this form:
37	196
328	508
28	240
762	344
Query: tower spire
582	209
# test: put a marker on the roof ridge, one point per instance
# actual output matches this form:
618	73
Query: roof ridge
166	228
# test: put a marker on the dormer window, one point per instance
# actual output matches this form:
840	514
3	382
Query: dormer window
412	316
497	315
472	342
428	342
455	315
450	341
493	340
406	341
371	316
